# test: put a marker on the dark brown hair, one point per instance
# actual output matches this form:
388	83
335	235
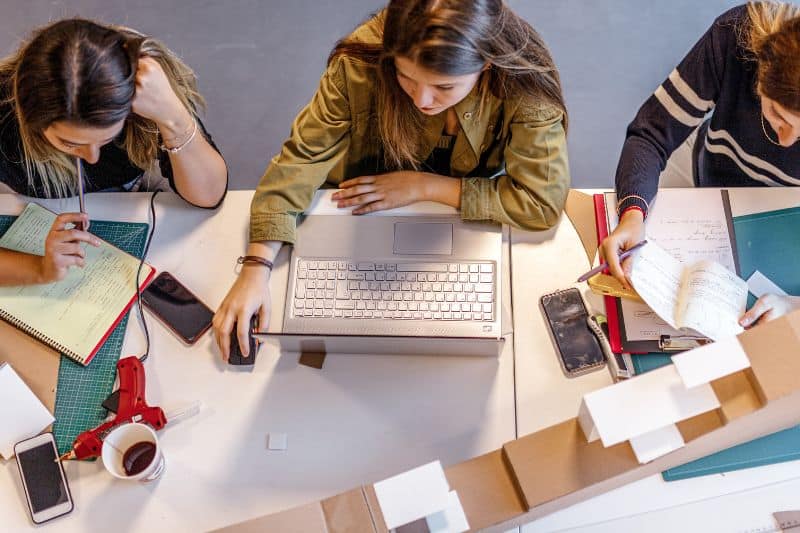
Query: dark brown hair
453	38
84	73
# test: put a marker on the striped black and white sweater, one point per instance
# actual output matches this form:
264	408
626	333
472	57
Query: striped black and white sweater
716	76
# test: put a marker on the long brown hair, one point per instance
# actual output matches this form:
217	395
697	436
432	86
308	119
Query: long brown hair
772	36
82	72
451	37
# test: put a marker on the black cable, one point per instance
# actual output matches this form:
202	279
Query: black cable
139	272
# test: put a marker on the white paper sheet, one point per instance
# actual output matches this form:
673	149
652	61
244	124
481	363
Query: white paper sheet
758	284
22	415
451	520
712	361
691	225
413	495
660	442
704	297
646	403
713	299
656	276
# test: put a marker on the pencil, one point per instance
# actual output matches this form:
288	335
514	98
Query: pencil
81	202
603	266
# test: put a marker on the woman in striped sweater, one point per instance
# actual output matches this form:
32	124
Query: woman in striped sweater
745	71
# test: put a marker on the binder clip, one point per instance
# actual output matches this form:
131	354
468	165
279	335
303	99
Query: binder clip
668	343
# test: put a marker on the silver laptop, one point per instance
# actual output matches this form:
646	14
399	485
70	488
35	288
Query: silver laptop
395	276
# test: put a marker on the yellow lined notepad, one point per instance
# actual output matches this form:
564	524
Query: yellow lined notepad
74	315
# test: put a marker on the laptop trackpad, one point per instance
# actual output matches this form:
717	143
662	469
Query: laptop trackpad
423	238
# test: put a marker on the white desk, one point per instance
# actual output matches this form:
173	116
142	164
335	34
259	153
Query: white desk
736	501
356	421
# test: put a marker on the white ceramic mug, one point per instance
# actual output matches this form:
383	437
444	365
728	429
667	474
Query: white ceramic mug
123	438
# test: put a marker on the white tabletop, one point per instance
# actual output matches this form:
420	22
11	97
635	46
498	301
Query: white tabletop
358	420
735	501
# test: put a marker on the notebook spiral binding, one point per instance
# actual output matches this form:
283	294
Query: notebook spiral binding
40	337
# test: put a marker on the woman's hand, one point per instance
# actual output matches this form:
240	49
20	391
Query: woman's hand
769	307
629	232
62	247
385	191
248	296
156	100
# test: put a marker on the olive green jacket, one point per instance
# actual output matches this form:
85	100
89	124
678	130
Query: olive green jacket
510	155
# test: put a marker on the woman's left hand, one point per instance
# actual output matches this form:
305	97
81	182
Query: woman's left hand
770	307
385	191
155	99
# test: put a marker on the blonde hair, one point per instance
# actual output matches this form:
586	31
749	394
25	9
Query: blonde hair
772	36
92	84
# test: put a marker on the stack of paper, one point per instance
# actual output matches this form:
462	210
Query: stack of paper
421	494
22	415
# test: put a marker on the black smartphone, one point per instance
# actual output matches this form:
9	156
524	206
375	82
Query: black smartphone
578	349
43	480
177	307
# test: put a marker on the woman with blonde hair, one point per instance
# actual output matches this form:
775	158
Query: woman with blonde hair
745	71
111	100
452	101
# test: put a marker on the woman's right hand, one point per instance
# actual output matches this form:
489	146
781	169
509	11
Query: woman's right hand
628	233
248	295
62	247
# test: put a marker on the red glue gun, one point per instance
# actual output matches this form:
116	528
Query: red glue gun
132	408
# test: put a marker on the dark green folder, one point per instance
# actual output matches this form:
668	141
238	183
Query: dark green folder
767	242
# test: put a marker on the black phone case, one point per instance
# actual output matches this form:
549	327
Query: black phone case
578	349
236	357
166	320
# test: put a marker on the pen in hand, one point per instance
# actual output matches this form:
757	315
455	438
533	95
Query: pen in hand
603	266
79	168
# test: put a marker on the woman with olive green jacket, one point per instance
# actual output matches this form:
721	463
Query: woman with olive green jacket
408	110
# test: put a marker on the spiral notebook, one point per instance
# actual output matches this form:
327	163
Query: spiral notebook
77	314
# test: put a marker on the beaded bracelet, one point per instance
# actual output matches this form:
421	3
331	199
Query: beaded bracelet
255	259
634	197
183	145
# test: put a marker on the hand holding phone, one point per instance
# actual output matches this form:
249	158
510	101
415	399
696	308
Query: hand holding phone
43	480
578	349
177	307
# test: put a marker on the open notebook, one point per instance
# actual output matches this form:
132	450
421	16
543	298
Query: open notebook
692	225
74	315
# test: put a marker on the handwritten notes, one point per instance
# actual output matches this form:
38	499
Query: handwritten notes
704	297
77	311
656	276
691	226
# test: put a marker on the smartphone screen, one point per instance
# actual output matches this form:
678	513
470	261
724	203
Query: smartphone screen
43	478
177	307
577	346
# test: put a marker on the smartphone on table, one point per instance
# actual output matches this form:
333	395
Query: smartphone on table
43	480
577	347
177	307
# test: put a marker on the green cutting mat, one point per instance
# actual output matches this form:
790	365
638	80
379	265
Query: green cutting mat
81	389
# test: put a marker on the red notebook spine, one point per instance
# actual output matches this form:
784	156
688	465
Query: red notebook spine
119	318
614	337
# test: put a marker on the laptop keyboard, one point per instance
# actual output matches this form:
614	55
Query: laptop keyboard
404	290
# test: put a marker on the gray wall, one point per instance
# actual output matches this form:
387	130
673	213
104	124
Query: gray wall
259	61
